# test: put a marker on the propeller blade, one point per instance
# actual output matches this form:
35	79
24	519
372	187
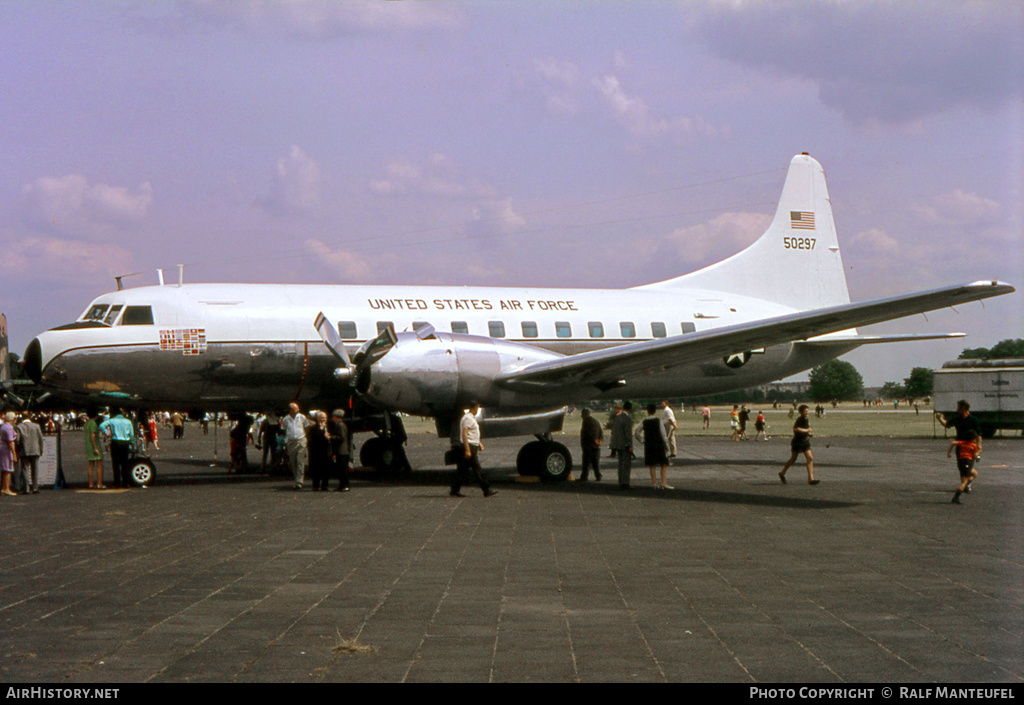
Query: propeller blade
377	348
329	334
368	354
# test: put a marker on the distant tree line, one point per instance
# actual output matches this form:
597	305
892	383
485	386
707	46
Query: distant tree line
1009	348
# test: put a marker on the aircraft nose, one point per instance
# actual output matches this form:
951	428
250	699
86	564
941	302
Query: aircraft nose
34	361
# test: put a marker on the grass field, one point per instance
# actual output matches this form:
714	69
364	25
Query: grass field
849	419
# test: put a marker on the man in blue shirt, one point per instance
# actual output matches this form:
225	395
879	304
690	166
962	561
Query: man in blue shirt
121	433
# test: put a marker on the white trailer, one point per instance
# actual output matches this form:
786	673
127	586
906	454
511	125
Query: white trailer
993	388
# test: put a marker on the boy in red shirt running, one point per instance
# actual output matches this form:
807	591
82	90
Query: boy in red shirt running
966	453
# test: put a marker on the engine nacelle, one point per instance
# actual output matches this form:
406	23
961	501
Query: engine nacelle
443	372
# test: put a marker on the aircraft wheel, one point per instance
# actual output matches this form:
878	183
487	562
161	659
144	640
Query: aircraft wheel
528	458
141	472
554	462
378	453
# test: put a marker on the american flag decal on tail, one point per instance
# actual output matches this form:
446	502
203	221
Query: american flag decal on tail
801	220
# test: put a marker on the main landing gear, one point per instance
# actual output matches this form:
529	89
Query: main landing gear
544	458
385	452
386	455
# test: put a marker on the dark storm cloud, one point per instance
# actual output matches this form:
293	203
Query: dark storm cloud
878	62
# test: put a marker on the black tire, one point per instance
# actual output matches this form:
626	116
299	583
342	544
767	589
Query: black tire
553	462
380	454
528	458
141	472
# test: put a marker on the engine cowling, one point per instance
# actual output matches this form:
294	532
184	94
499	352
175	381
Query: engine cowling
428	376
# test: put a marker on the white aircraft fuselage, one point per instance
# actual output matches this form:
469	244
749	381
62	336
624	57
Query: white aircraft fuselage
248	346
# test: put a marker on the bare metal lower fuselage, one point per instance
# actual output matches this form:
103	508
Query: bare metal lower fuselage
237	376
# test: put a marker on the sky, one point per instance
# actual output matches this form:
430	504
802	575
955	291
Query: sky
570	144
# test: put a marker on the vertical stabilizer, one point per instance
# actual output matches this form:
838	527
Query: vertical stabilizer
796	262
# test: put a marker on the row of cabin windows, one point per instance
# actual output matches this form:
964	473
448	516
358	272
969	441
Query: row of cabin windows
496	329
143	316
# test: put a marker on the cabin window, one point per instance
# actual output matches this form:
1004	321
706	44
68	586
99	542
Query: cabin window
530	329
137	316
658	330
627	329
347	330
112	314
96	313
563	329
596	329
383	326
460	327
688	327
496	329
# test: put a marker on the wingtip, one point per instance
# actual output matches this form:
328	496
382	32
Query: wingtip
995	283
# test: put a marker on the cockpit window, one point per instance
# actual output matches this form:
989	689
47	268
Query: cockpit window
137	316
112	314
96	313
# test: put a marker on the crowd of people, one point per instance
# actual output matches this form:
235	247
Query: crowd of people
656	435
314	445
320	445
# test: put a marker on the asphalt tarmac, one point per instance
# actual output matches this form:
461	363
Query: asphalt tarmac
871	576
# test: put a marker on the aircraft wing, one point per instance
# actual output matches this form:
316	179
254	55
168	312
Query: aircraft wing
606	368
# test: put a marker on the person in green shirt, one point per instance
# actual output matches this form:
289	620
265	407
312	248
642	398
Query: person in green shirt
94	449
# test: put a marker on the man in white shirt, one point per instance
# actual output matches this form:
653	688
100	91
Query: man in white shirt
469	435
668	422
294	426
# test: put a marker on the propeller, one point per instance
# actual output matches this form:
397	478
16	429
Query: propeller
356	369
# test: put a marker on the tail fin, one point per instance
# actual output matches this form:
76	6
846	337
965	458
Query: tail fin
796	261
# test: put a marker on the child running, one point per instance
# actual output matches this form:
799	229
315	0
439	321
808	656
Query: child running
761	427
966	455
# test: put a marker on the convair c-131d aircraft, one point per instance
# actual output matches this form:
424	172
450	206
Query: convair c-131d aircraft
524	354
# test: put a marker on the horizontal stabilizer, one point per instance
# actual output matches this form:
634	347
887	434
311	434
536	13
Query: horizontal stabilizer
846	340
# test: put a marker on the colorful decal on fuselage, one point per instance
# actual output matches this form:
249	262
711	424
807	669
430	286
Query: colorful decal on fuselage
191	341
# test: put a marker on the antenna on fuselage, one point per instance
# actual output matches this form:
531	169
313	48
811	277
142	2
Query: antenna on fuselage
120	284
160	276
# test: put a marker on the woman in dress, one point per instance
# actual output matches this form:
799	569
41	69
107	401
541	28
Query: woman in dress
652	434
149	431
318	441
94	449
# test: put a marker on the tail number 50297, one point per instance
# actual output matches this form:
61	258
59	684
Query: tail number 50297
798	243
